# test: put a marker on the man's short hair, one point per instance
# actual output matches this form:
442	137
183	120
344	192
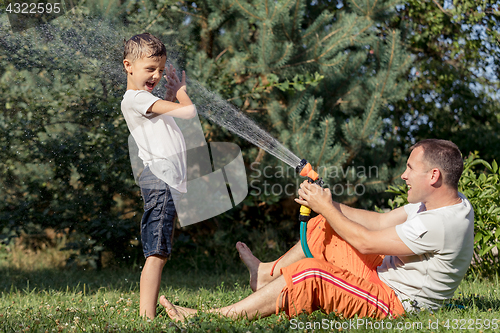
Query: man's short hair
143	45
445	156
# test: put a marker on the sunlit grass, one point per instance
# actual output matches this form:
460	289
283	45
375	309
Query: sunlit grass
38	298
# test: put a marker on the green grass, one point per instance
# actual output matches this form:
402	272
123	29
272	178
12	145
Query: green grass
38	299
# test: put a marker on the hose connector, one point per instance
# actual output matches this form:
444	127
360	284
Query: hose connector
305	170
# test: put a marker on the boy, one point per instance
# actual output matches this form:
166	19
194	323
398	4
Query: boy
162	150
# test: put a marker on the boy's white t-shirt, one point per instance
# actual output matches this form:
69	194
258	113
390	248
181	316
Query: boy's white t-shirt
443	242
159	139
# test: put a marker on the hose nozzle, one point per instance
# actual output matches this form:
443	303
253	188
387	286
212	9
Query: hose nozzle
305	170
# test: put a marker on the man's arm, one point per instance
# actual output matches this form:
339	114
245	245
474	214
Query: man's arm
381	239
373	220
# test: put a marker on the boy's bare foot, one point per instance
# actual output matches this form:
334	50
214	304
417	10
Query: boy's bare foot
177	313
252	263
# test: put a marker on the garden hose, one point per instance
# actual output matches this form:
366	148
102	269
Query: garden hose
305	170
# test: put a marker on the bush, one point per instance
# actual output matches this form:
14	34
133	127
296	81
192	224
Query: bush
480	184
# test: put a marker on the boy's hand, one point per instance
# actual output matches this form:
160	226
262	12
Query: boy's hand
173	83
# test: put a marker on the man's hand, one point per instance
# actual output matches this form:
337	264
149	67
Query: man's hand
315	197
173	83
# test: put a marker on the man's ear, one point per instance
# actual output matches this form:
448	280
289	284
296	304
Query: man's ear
436	177
128	65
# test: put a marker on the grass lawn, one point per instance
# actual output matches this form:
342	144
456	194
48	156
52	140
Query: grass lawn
35	298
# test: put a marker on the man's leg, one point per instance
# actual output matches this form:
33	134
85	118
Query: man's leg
262	273
314	284
262	303
150	285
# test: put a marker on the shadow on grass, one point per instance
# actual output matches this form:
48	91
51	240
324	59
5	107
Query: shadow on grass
484	303
178	273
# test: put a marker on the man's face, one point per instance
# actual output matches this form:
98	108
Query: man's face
144	73
417	176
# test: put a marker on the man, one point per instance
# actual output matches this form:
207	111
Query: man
366	263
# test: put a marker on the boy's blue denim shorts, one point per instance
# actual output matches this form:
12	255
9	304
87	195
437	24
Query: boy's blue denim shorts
157	225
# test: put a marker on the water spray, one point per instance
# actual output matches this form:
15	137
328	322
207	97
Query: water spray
305	170
211	106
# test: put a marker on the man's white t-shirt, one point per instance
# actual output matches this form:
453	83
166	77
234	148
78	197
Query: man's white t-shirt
443	242
159	139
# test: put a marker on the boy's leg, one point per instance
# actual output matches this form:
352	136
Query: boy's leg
156	236
150	285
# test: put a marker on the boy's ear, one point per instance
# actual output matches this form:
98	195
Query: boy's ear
128	65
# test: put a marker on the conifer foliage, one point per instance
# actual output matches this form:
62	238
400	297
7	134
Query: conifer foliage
319	78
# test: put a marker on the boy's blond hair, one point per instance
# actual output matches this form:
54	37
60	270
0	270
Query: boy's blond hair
143	45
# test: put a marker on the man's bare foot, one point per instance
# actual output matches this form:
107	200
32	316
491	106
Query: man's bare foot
252	263
177	313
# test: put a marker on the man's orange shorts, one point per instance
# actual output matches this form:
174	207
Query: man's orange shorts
338	279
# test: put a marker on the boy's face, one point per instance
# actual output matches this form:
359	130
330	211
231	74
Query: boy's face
144	73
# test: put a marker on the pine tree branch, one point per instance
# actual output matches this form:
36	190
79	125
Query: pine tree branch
309	49
275	125
335	63
375	182
247	12
283	28
325	140
256	110
315	107
220	54
381	93
319	25
276	9
300	98
390	62
288	47
262	49
369	115
298	63
349	149
156	18
191	14
442	9
128	212
329	35
340	101
335	44
241	96
354	37
333	157
260	155
295	15
355	4
299	151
